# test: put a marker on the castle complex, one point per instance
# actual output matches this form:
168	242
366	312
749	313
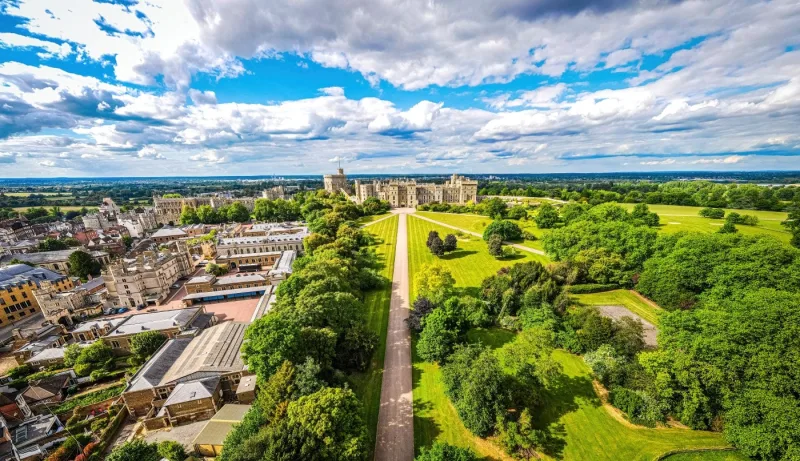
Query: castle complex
409	193
168	210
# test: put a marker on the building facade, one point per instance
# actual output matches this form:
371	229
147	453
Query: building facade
168	210
335	183
17	284
457	190
56	260
146	280
81	301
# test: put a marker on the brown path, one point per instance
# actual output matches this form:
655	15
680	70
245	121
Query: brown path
395	439
515	245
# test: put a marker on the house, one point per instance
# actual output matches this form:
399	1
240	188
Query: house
189	378
49	390
95	329
30	440
209	441
50	356
168	234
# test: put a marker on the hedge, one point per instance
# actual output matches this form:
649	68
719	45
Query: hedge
586	288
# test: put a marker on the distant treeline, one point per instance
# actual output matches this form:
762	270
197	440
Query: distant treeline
687	193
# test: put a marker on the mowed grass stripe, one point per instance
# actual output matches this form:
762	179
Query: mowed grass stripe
622	298
478	223
368	384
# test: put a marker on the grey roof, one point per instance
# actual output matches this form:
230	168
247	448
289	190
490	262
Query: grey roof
40	344
92	284
215	350
155	321
151	374
200	279
102	323
193	390
207	294
284	265
238	278
45	257
34	429
169	232
21	274
52	353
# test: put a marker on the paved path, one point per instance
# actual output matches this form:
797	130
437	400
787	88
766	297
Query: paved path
395	440
515	245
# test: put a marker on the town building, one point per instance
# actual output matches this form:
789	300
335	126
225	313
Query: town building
189	379
96	221
235	251
146	280
16	229
335	183
168	210
457	190
206	283
275	193
49	357
168	234
31	439
17	284
44	341
93	330
79	302
56	260
209	441
172	323
45	391
138	222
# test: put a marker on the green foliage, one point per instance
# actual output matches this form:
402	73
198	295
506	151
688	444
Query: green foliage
495	246
135	450
238	213
442	330
51	244
82	265
145	344
434	282
520	438
546	216
517	212
793	223
88	399
171	450
216	270
605	363
189	216
642	214
591	288
71	354
507	230
277	210
713	213
495	208
127	240
445	452
172	195
728	228
97	356
450	243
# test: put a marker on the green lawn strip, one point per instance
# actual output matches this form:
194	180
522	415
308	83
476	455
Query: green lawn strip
622	298
368	219
477	223
368	384
88	399
707	455
676	218
470	264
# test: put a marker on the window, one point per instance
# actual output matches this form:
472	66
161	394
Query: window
13	299
115	344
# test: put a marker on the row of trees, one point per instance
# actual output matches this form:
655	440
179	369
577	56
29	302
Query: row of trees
303	350
439	247
205	214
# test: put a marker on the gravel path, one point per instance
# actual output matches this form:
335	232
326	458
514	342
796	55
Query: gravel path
395	440
515	245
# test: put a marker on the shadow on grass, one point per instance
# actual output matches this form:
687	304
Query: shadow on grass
513	257
561	397
458	254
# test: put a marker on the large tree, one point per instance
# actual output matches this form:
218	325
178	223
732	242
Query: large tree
82	265
434	282
546	216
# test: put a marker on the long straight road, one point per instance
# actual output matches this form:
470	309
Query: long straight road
395	439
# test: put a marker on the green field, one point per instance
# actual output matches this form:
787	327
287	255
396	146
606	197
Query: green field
625	298
470	264
477	223
368	384
368	219
685	218
715	455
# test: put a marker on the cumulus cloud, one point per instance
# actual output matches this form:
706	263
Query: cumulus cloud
209	157
149	152
48	49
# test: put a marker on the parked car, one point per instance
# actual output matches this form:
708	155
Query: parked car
140	307
176	285
122	310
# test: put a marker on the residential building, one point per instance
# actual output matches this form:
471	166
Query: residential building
31	439
50	356
45	391
172	323
16	229
138	221
189	378
335	183
17	284
56	260
95	329
80	301
146	280
457	190
96	221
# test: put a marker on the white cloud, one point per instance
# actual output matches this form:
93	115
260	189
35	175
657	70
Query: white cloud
50	49
149	152
209	157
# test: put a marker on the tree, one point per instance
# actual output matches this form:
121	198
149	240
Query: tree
208	215
145	344
495	246
82	265
445	452
628	336
189	216
216	270
135	450
442	330
421	308
171	450
51	244
604	362
495	208
546	217
642	213
238	213
432	235
713	213
520	438
356	348
71	354
437	246
97	356
127	240
517	212
507	230
434	282
793	223
450	243
269	341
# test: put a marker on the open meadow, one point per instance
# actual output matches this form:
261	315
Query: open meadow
478	223
368	384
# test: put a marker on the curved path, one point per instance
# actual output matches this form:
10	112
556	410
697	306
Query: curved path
395	438
515	245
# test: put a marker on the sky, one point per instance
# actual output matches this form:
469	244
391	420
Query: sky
252	87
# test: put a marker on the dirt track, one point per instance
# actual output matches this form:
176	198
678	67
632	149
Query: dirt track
395	440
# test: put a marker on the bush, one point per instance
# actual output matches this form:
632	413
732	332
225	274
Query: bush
585	288
507	230
526	235
713	213
171	450
495	245
445	452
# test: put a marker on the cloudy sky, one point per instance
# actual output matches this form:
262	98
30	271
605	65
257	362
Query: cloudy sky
211	87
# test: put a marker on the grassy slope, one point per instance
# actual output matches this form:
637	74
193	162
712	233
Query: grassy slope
685	218
368	384
477	223
708	456
625	298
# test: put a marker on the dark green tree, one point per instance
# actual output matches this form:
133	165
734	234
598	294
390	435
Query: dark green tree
450	243
495	245
440	451
82	265
546	216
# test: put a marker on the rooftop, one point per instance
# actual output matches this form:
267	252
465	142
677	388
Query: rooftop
239	278
169	232
152	373
219	294
102	323
154	321
21	274
46	257
215	350
220	425
193	390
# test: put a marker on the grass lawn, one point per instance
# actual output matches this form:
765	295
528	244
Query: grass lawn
368	219
477	223
368	384
469	264
685	218
625	298
716	455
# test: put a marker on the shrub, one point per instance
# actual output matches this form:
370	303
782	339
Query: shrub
450	243
713	213
171	450
527	235
507	230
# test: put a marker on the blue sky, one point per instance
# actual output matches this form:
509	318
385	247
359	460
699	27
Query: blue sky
210	87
